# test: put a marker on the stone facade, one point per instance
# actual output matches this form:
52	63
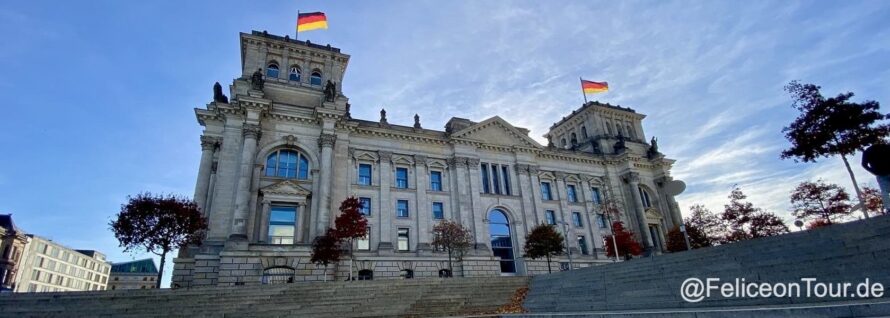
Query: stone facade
12	244
139	274
51	267
281	154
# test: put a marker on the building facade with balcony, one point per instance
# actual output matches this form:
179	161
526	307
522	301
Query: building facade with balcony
280	155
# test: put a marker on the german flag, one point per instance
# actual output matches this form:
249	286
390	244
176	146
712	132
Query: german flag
311	21
590	87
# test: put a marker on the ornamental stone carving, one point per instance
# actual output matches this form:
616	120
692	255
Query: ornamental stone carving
384	155
631	177
420	160
290	140
327	140
460	162
209	142
560	175
533	170
473	162
521	168
251	130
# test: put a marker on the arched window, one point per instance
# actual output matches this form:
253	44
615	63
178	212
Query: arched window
630	132
583	132
501	239
287	164
644	196
278	275
574	138
562	143
365	274
315	78
272	70
294	75
444	272
406	274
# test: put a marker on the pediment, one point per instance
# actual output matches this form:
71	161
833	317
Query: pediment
286	188
498	131
653	214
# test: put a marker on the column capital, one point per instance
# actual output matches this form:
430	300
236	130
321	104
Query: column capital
459	162
251	130
473	162
327	140
560	176
533	170
631	177
209	142
521	168
384	155
420	160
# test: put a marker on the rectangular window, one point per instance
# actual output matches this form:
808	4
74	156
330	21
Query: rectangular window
551	217
582	244
506	180
364	243
438	211
402	208
601	220
576	219
570	191
402	178
496	178
366	206
403	239
485	186
282	224
545	191
364	174
435	180
595	195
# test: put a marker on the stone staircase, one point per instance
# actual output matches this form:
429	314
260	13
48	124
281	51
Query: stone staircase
434	297
848	252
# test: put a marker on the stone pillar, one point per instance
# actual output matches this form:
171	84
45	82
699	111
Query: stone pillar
477	214
671	203
326	143
386	206
208	146
564	210
263	235
536	194
527	196
424	207
463	192
633	181
242	195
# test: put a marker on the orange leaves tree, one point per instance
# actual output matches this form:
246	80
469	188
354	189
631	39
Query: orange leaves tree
624	240
158	224
452	238
544	241
820	200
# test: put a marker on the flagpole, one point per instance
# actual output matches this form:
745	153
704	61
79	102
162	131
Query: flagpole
297	28
582	90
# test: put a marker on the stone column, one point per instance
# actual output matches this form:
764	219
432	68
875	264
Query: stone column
477	214
564	210
251	133
208	146
263	234
527	197
670	202
386	207
424	207
633	181
536	194
326	143
463	191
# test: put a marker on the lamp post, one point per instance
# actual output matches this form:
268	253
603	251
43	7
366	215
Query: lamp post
685	236
568	249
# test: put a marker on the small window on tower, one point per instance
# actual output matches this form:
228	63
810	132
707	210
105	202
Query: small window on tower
294	74
315	78
272	70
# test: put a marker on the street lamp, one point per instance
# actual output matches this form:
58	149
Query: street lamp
685	236
568	249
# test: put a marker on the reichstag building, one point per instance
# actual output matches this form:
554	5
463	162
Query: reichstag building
280	151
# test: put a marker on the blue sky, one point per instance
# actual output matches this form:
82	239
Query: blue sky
97	97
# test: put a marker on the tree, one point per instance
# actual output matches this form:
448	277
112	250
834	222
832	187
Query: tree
611	210
817	223
676	241
158	224
832	126
350	225
708	227
746	221
820	200
544	241
326	250
453	238
624	240
873	201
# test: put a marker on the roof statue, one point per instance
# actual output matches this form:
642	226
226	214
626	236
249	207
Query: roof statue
330	91
218	95
256	80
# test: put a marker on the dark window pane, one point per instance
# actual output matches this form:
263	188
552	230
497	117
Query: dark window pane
495	176
506	180
484	171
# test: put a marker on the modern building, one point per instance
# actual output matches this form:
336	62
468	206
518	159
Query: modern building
12	244
280	155
51	267
139	274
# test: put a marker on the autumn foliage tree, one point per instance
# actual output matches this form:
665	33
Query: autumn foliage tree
452	238
746	221
676	241
326	250
817	223
350	225
158	224
544	241
820	200
624	239
704	227
833	126
873	202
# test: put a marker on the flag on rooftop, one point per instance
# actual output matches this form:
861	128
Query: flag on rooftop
311	21
590	87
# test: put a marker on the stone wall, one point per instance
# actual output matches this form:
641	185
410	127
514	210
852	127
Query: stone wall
840	253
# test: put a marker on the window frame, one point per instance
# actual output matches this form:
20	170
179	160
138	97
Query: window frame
370	176
295	70
301	169
548	194
407	213
577	220
571	193
399	180
403	234
282	240
435	185
365	209
582	245
596	195
441	212
270	67
316	74
550	217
